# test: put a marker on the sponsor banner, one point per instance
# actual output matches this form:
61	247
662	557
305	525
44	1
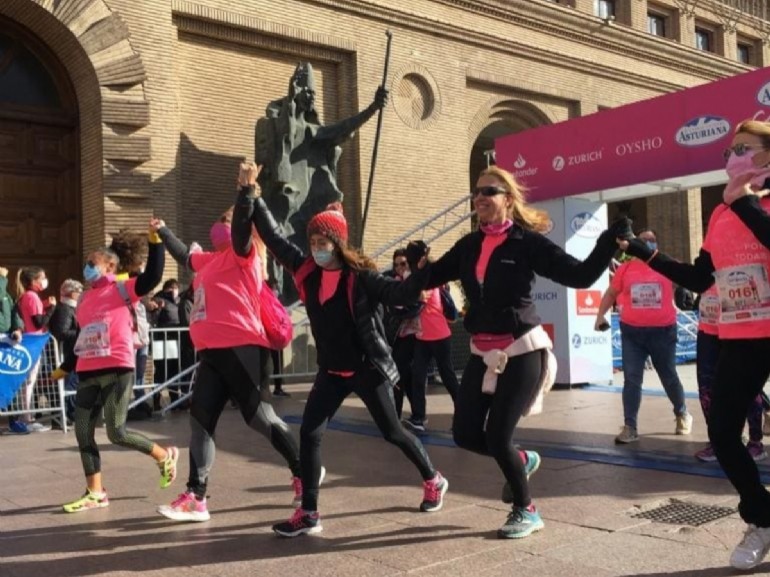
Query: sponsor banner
684	133
687	334
16	360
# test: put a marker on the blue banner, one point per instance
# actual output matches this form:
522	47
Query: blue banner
687	333
16	360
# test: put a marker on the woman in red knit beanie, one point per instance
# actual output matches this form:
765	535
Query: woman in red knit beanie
342	292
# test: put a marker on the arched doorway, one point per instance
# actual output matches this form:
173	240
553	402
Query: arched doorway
39	164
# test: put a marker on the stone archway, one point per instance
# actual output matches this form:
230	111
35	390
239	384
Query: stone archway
500	116
93	45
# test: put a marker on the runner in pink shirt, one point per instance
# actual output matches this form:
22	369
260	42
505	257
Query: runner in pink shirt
227	331
736	257
645	301
105	346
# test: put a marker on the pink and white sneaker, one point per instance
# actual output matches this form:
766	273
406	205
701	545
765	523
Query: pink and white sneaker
186	507
433	493
296	484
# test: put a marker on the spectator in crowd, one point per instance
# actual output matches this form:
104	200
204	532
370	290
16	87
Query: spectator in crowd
64	328
165	348
401	325
648	329
10	326
31	281
433	341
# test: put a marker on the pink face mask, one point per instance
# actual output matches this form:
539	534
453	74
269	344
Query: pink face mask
742	166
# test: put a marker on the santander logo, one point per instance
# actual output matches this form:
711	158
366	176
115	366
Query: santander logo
521	162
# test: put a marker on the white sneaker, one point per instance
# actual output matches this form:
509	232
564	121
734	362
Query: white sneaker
36	427
684	424
752	549
627	435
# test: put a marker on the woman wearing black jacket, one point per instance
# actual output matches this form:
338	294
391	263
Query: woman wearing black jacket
343	294
496	266
736	257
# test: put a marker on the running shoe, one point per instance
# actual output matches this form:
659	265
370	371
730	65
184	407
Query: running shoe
433	493
296	483
415	425
35	427
168	467
89	500
752	549
627	435
706	454
300	523
683	424
186	507
532	462
756	450
521	522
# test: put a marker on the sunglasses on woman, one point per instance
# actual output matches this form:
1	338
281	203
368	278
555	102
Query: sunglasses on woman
489	191
739	150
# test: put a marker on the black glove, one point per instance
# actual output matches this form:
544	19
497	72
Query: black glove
380	98
415	250
621	228
639	249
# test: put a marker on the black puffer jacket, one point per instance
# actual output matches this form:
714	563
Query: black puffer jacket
503	305
371	290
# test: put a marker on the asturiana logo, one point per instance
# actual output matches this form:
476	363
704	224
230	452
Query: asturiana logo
15	360
703	130
586	225
763	96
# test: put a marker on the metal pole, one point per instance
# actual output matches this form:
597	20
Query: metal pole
389	34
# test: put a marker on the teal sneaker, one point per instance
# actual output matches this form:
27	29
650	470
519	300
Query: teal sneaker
520	523
530	467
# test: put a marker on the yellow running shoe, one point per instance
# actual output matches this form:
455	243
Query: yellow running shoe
168	467
89	500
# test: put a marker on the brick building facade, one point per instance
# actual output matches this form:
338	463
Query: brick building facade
151	103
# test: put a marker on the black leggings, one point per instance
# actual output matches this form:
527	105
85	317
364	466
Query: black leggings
236	373
516	388
403	353
325	398
742	369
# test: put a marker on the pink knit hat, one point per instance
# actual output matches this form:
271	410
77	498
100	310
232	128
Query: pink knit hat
220	236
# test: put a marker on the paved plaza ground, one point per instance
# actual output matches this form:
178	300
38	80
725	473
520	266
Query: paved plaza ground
588	490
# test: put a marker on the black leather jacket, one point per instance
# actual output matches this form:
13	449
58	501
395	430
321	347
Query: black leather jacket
371	290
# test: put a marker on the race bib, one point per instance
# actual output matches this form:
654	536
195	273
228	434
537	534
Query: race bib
93	341
744	293
198	313
709	309
647	295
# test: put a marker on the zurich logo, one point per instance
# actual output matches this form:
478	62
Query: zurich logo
763	96
15	360
616	340
703	130
586	225
576	341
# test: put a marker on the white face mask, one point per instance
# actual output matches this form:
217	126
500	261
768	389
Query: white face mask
43	284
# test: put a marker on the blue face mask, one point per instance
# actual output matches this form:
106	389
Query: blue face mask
91	273
323	257
652	245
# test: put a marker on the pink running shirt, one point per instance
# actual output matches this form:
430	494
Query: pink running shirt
330	280
106	339
646	297
708	312
30	305
433	323
742	273
226	309
488	245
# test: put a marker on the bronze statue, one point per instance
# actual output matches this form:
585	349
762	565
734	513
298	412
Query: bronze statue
299	158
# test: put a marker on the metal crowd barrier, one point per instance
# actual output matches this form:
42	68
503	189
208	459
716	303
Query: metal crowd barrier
48	395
